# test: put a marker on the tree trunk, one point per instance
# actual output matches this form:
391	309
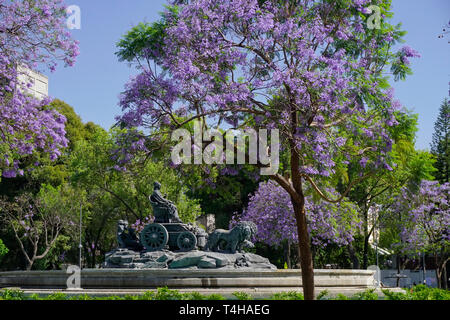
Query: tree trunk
441	270
287	254
306	261
438	271
445	275
29	264
366	252
353	257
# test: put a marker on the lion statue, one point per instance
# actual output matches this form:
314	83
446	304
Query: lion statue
126	237
232	240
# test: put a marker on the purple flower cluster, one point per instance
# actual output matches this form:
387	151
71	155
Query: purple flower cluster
270	208
407	52
424	217
139	224
129	143
32	34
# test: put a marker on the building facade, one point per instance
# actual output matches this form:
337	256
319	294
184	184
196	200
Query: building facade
38	82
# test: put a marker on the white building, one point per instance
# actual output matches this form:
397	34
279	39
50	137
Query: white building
39	82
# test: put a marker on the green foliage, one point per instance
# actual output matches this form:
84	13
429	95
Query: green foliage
110	298
215	296
82	297
57	296
419	292
144	40
128	190
440	145
291	295
242	295
228	195
42	223
341	296
368	294
57	172
3	249
74	127
194	296
168	294
12	294
323	295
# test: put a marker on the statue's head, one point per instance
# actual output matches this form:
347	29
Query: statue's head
250	229
122	224
156	185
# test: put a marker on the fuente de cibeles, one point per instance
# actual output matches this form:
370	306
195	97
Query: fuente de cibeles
168	243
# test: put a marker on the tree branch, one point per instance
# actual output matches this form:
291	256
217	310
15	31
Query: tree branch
323	196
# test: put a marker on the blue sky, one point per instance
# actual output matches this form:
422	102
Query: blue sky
93	85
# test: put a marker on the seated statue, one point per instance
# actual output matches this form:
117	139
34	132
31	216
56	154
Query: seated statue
127	237
232	240
164	210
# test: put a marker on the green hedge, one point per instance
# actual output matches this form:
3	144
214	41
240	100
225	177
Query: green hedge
420	292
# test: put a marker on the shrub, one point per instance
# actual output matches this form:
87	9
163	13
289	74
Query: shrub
12	294
57	296
110	298
167	294
368	294
194	296
390	295
323	295
83	297
215	296
419	292
341	296
291	295
242	296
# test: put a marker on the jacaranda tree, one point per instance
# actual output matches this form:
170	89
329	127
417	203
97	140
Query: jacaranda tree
270	208
313	69
32	36
421	218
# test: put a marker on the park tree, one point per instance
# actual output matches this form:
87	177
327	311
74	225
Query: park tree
419	220
32	35
40	168
409	167
38	222
440	145
314	70
270	208
94	168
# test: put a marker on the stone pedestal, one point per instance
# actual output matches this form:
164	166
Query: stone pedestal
164	259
